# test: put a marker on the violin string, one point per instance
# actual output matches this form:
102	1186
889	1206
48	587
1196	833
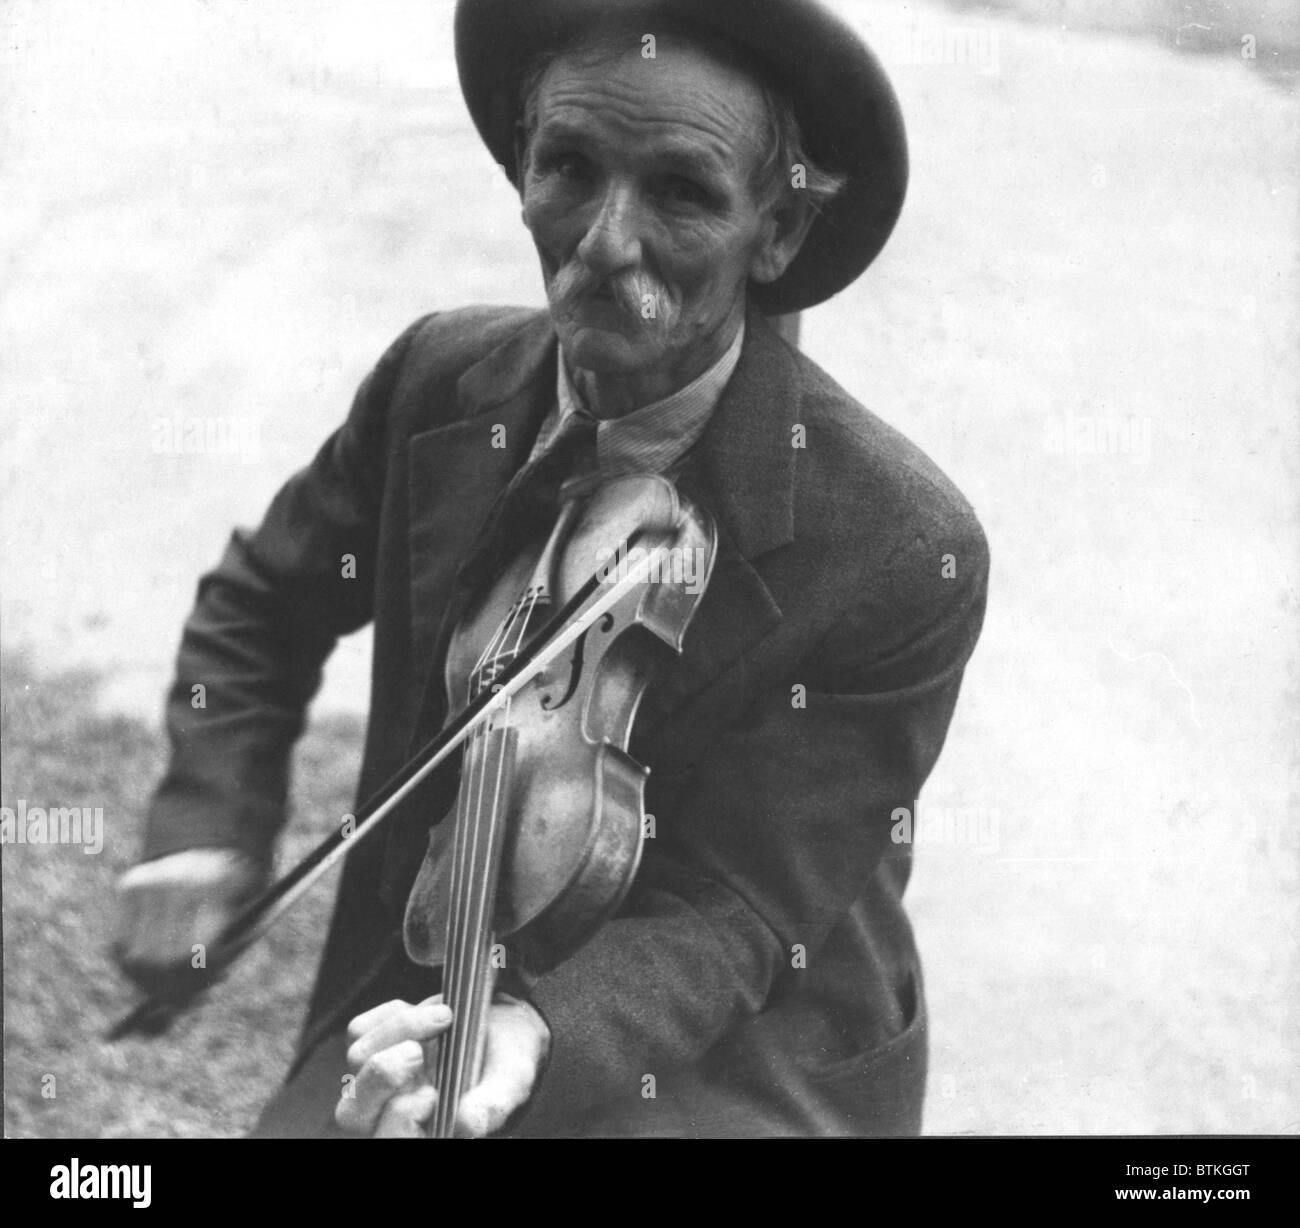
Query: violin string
448	1093
460	1020
449	972
472	947
492	650
457	872
489	653
537	597
468	909
472	938
451	967
478	952
526	608
459	985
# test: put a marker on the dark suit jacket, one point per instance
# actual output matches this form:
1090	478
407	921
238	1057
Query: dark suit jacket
762	969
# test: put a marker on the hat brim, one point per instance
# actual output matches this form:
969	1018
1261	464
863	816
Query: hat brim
845	105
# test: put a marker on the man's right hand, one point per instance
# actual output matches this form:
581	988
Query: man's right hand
168	907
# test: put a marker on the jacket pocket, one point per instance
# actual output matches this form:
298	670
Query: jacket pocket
879	1090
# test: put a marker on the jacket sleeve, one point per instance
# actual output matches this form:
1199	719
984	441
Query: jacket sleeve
265	620
773	838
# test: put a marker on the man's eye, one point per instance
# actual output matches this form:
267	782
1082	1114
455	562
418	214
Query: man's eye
685	191
569	165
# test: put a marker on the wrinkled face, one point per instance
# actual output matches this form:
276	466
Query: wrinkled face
637	191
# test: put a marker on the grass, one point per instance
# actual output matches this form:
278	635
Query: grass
210	1075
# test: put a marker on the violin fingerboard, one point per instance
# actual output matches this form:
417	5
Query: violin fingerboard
468	975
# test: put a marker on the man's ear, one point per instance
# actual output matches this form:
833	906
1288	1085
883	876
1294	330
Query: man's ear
784	231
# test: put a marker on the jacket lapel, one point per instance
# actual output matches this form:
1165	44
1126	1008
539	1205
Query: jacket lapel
742	472
747	457
456	471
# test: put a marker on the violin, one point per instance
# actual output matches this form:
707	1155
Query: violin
547	828
544	676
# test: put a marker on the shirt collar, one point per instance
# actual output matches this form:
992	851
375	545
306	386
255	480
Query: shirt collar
656	437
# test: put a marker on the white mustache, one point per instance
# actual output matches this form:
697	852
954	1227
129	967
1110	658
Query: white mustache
633	291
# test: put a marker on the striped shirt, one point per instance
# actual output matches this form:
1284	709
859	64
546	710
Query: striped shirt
652	439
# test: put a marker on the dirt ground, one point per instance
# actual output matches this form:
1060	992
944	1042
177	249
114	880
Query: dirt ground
1087	316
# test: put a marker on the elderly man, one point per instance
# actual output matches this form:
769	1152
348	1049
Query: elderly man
685	169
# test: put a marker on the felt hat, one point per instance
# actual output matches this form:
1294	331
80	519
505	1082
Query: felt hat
846	107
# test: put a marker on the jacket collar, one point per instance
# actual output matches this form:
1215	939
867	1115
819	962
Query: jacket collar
745	459
516	367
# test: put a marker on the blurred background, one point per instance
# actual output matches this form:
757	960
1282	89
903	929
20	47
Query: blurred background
221	214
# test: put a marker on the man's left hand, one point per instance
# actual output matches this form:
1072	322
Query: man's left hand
392	1097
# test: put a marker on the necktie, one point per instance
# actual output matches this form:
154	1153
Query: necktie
528	506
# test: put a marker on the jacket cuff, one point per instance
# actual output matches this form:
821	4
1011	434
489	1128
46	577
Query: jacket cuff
178	823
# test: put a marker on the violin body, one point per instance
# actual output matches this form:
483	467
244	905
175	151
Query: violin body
547	831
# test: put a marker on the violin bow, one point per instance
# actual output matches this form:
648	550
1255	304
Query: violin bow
155	1013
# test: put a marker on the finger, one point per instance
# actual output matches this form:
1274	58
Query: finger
369	1019
404	1022
509	1071
405	1114
395	1070
374	1016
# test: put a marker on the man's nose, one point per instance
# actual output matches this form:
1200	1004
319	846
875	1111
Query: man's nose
612	242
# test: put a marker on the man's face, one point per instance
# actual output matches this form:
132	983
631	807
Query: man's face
637	191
